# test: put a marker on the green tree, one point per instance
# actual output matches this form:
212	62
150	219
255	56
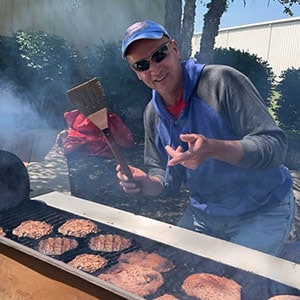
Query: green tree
288	110
258	70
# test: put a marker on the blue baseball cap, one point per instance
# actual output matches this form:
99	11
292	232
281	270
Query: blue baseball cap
142	30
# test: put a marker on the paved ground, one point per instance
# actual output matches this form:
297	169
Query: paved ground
47	168
50	174
48	171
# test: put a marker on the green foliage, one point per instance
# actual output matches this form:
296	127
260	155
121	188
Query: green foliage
288	6
288	110
44	53
43	67
125	94
10	60
258	70
51	69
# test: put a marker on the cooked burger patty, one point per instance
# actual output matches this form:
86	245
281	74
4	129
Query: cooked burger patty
78	227
149	260
208	286
109	243
56	245
133	278
33	229
88	262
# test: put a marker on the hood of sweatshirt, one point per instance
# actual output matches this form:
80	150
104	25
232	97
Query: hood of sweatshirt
191	74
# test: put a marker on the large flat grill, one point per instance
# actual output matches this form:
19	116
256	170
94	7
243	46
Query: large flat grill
186	249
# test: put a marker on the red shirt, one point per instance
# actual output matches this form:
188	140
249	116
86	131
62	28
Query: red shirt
176	109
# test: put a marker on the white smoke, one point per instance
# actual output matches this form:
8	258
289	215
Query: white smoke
15	112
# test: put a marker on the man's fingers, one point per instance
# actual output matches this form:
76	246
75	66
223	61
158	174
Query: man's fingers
129	187
188	137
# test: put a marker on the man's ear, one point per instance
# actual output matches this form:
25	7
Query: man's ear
175	47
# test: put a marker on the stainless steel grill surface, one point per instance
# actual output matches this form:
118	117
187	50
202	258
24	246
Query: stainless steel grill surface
254	286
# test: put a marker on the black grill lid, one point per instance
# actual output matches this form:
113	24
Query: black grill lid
14	181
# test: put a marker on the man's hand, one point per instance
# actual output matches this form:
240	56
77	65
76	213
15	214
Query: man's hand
201	148
145	184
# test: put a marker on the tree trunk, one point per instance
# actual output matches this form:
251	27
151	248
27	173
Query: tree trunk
173	12
187	29
212	18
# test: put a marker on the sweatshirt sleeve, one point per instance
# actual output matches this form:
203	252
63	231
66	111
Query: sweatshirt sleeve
233	95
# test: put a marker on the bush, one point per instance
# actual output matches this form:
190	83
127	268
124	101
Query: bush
10	60
52	69
259	71
42	66
288	109
125	94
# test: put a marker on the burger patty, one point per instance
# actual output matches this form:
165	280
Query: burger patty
88	262
33	229
133	278
149	260
206	286
56	245
109	243
78	227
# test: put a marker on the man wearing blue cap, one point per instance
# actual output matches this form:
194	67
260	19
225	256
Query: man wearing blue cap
207	127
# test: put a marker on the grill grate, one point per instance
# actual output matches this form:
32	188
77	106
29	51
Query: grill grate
40	212
253	286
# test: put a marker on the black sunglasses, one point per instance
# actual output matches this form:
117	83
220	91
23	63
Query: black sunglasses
157	56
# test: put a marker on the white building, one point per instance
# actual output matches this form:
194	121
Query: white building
277	42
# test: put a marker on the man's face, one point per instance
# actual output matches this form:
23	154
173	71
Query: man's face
164	76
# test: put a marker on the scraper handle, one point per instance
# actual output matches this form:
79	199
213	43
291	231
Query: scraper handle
117	154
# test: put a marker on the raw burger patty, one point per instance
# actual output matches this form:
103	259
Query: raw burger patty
78	227
133	278
56	245
149	260
109	243
208	286
32	229
88	262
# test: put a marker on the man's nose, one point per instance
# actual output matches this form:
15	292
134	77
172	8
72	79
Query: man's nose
154	66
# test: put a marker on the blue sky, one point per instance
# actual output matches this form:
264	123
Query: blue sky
255	11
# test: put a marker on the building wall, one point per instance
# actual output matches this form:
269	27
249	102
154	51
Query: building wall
276	42
80	22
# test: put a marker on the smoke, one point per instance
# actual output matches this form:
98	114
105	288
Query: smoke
15	112
81	22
